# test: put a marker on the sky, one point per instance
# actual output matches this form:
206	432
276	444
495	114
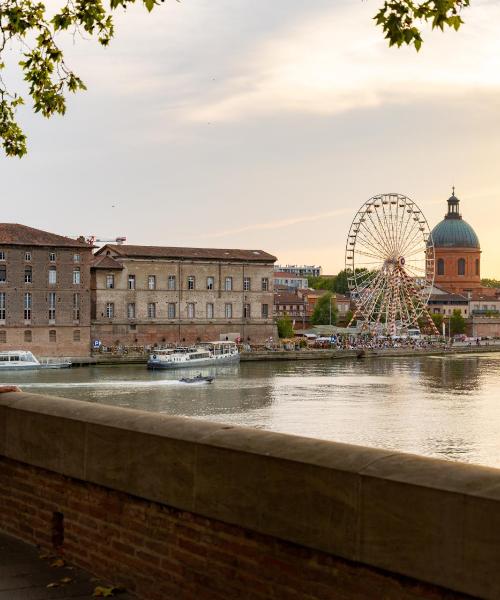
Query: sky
263	125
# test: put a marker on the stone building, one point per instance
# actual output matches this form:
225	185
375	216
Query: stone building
146	295
457	252
44	292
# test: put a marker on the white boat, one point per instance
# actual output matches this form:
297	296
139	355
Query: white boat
24	360
18	359
208	353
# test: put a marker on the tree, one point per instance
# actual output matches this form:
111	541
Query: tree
401	20
285	327
438	321
49	79
324	307
493	283
457	323
323	282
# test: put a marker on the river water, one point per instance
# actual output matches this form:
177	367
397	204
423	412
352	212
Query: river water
442	406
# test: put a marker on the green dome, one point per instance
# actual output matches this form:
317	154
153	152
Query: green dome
453	231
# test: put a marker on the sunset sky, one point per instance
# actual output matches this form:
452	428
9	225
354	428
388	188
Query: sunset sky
264	125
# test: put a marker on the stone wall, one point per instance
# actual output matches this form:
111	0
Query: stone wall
180	508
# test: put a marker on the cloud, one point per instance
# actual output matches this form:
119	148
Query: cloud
338	60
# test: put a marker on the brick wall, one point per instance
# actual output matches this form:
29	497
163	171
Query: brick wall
162	553
181	509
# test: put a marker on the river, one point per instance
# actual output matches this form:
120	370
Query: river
442	406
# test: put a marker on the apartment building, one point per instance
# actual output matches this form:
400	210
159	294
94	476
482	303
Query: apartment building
44	292
146	295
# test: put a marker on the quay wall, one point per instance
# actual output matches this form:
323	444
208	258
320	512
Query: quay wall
178	508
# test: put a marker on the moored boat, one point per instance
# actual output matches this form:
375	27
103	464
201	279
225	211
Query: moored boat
205	354
198	379
25	360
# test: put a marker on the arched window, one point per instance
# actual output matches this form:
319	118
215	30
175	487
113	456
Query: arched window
440	269
477	266
27	335
461	266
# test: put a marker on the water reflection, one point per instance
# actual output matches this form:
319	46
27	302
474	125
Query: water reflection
444	406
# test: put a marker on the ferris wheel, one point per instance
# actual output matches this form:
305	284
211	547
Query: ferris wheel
389	260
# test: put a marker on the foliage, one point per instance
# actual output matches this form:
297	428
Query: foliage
348	317
457	323
28	24
285	327
323	282
493	283
402	20
438	321
324	307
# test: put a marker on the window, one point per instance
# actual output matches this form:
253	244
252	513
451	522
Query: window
265	284
27	256
52	336
2	255
461	266
76	258
151	310
131	310
110	281
190	310
210	283
28	305
246	311
131	282
110	310
76	335
228	284
440	266
228	310
52	306
76	306
210	310
477	267
76	275
171	282
3	273
246	284
152	282
171	310
27	335
52	276
191	282
3	337
265	311
2	306
52	256
28	275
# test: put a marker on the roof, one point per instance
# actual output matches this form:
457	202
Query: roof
453	231
438	298
284	298
131	251
21	235
105	262
288	275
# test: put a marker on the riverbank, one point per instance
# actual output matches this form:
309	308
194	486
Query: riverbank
304	354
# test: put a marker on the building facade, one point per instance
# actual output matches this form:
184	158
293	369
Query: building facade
289	281
44	292
300	270
457	252
147	295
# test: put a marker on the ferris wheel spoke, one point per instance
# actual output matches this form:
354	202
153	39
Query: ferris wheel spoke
376	236
370	250
405	231
412	242
380	228
371	241
387	218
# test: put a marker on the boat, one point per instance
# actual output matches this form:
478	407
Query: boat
204	354
198	379
21	360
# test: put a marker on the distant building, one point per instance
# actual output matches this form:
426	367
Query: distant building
146	295
301	270
293	305
44	292
446	303
289	280
457	252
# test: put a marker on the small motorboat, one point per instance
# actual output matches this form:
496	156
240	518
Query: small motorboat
198	379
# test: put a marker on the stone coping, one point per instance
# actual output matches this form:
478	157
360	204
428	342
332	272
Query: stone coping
433	520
